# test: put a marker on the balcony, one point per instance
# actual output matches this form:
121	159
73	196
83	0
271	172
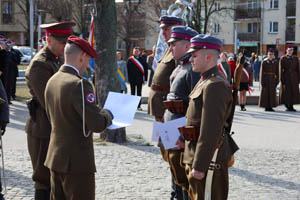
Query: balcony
249	37
291	9
243	12
290	36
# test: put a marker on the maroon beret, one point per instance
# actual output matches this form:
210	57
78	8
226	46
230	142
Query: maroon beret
83	44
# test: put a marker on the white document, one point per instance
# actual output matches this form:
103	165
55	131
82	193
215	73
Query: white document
155	131
123	107
169	132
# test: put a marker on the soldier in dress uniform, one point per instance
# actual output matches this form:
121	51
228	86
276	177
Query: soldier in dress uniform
160	83
207	150
70	104
160	86
182	81
44	65
268	80
289	77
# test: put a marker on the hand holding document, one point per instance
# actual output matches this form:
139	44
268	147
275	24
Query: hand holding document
123	107
168	132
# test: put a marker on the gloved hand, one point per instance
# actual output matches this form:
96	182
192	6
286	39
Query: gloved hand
2	127
110	113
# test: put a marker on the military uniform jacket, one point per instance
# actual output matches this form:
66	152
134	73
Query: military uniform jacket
39	71
182	81
289	80
268	80
165	67
69	150
209	107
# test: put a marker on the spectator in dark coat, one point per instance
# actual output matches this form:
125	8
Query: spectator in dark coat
137	73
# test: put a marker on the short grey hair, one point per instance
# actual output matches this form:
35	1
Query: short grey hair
214	52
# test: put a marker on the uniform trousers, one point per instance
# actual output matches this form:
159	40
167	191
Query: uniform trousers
138	88
72	186
220	184
38	148
180	183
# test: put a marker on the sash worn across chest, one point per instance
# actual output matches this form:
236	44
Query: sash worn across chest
245	72
222	70
137	64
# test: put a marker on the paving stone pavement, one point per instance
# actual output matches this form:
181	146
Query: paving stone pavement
135	170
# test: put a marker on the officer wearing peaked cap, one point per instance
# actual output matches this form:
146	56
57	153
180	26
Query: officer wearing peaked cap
160	82
268	80
44	65
70	104
182	81
289	76
206	146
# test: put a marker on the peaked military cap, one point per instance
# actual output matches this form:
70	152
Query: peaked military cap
59	30
270	51
9	43
170	21
2	39
182	33
290	47
202	41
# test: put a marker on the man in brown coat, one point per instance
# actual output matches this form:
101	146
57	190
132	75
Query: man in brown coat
289	76
268	80
160	86
38	128
71	107
207	150
160	83
182	80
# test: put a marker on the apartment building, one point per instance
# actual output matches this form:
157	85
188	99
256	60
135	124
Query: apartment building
257	25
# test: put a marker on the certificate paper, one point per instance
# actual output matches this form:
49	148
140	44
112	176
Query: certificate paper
168	132
123	107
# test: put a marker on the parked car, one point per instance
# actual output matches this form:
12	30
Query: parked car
26	54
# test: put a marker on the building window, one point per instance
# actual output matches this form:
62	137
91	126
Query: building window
7	9
273	27
250	28
250	4
217	6
273	4
216	28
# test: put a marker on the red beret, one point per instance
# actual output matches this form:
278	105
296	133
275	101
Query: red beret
83	44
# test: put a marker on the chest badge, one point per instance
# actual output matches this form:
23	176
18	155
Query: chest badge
90	98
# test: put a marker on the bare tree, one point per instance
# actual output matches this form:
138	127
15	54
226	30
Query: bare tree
131	22
106	62
82	14
157	6
202	12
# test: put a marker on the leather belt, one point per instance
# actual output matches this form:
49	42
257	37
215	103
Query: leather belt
176	106
160	87
191	133
269	73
